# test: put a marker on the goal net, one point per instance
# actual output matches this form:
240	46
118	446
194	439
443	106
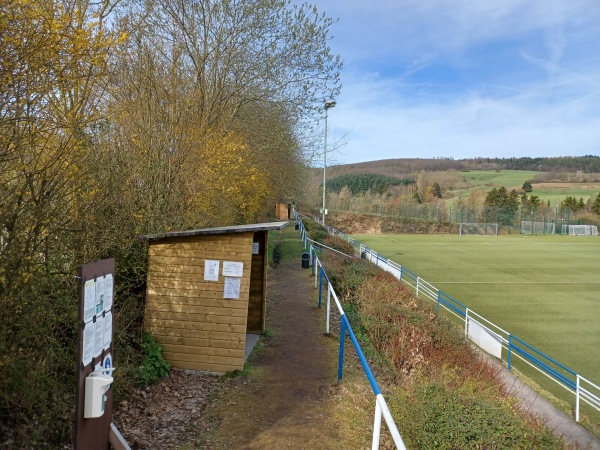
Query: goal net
580	230
483	229
529	227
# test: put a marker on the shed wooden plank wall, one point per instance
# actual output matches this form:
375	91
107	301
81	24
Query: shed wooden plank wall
188	316
282	211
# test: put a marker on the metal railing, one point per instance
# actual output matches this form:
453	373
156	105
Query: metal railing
381	408
493	339
485	334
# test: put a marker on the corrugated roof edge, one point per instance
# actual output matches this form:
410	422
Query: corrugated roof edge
218	230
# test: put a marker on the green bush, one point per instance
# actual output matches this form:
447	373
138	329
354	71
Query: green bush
443	417
154	365
316	231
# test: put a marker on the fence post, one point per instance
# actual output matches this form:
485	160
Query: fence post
317	263
509	350
320	286
466	322
376	426
577	394
329	288
418	279
342	341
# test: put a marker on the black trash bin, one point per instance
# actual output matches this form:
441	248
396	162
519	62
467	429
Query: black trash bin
297	226
305	260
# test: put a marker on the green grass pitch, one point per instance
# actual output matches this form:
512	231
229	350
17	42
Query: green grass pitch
544	290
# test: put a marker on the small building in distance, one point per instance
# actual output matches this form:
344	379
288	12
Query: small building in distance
206	292
283	211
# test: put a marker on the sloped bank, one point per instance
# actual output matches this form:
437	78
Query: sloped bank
440	392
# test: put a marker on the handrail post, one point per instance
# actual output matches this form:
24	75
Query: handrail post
329	288
418	279
577	395
342	341
376	426
317	265
466	322
312	256
320	286
509	350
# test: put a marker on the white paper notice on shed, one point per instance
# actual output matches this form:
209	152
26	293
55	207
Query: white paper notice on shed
233	269
211	270
232	287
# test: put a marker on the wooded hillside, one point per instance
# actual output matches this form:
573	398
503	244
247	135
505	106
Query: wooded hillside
403	166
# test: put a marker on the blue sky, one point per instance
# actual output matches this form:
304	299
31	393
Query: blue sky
466	78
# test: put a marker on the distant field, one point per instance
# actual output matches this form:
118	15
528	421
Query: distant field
514	179
542	289
509	178
556	192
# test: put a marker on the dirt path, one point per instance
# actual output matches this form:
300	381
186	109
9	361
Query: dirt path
284	402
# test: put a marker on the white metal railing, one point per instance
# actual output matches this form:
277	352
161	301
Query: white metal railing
487	335
507	346
381	408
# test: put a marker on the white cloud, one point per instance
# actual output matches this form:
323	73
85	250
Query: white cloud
463	79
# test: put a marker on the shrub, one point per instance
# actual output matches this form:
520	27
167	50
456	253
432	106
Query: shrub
315	231
441	417
339	245
154	365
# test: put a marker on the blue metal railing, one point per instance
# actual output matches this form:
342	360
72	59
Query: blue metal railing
564	376
381	408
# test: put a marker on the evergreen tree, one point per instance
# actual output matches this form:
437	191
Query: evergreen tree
596	205
437	190
571	203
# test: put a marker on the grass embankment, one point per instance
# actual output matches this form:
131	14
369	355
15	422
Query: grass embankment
439	392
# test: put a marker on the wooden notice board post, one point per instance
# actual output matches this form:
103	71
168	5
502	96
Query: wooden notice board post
94	350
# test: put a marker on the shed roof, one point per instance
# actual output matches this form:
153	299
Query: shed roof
218	230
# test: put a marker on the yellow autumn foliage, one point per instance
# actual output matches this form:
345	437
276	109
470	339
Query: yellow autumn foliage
226	185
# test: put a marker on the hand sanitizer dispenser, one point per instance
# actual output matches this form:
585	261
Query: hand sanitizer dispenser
96	385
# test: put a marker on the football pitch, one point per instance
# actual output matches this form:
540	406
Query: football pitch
544	290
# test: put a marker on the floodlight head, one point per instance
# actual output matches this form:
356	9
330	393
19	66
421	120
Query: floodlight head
329	104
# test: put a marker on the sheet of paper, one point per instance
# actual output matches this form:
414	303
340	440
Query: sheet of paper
211	270
99	295
108	292
233	269
232	287
89	300
107	330
88	343
255	248
99	336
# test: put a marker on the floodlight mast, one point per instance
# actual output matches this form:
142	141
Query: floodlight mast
328	104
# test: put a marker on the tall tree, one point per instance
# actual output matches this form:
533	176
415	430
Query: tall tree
53	71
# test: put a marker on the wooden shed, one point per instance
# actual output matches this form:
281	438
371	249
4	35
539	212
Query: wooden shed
206	291
283	211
